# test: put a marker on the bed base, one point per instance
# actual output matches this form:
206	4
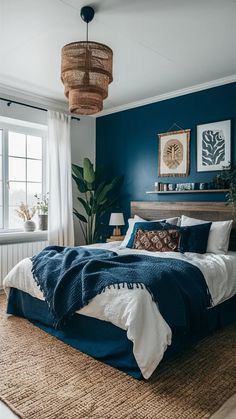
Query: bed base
104	341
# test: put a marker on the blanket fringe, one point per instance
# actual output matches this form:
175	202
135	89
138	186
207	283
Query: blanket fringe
62	322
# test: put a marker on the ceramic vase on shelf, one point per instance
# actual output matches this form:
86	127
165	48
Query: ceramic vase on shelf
29	225
43	222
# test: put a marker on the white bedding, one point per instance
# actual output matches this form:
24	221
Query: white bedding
134	310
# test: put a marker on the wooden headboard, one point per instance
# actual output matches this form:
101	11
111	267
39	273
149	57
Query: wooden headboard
209	211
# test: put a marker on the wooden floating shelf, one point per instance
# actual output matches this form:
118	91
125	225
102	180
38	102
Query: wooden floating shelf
189	191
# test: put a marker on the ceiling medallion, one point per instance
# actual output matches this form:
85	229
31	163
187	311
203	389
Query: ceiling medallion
86	71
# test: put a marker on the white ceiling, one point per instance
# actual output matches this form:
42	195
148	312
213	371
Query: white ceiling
159	45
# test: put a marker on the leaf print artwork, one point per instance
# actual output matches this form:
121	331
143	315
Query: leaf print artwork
213	147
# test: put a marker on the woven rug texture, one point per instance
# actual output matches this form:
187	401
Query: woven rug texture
42	378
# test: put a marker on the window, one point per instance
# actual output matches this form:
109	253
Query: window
1	189
22	174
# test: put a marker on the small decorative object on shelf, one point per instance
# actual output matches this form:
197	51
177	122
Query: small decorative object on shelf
171	186
116	219
26	214
42	208
202	186
185	186
156	186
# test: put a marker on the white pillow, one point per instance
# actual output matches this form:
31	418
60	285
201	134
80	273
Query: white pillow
136	219
218	240
131	222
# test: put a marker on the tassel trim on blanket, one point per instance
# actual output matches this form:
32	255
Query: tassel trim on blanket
59	323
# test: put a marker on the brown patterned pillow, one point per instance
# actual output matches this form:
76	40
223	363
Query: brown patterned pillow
157	241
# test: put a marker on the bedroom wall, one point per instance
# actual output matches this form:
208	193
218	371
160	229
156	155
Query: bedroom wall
126	142
82	137
83	134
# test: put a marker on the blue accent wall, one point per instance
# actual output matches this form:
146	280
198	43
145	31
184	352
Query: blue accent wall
127	143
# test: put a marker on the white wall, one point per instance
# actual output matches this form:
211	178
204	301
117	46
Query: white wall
83	139
82	136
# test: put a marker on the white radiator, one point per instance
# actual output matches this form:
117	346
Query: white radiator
11	254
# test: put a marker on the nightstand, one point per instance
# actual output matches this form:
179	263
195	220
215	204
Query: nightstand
115	238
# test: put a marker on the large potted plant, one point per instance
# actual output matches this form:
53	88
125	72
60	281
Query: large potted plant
97	197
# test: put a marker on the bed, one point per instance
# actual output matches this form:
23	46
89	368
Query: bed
107	330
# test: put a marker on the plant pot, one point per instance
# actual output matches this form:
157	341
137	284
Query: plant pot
43	221
29	225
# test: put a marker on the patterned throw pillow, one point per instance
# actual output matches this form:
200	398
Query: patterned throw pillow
157	240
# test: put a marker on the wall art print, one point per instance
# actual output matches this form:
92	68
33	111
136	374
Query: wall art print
173	155
213	146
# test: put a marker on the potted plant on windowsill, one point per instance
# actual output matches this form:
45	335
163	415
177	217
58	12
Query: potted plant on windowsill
42	208
26	214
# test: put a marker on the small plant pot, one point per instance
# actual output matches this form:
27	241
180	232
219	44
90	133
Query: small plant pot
43	221
29	225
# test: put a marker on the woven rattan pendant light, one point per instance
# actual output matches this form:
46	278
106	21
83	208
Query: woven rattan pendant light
86	71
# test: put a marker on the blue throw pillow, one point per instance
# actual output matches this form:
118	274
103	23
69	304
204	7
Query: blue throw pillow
194	238
149	226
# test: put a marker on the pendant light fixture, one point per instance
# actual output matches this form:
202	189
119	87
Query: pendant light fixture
86	71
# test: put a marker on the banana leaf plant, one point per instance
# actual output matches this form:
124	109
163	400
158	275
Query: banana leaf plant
97	197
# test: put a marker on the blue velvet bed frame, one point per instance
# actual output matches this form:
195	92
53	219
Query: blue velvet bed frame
104	341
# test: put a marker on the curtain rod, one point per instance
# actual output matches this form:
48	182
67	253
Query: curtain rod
9	102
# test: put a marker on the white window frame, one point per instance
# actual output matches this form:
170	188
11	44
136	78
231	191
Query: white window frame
27	129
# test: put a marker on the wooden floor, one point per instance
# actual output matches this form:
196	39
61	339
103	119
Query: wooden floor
227	411
6	413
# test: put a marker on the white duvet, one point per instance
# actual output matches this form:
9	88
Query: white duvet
134	310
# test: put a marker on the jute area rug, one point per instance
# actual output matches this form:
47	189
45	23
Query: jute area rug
42	378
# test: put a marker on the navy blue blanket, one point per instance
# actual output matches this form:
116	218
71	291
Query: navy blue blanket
70	277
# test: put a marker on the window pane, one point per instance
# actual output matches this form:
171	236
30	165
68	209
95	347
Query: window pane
34	147
0	141
16	144
14	220
1	225
17	169
32	189
1	198
24	174
17	193
34	170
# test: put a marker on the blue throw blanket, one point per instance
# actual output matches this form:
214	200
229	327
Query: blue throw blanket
70	277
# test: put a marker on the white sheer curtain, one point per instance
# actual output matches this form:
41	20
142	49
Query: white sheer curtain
60	225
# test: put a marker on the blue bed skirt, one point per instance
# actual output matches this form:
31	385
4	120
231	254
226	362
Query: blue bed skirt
104	341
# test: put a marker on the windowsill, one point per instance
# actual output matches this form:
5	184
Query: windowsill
23	237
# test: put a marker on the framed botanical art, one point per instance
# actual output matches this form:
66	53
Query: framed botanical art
213	146
173	155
